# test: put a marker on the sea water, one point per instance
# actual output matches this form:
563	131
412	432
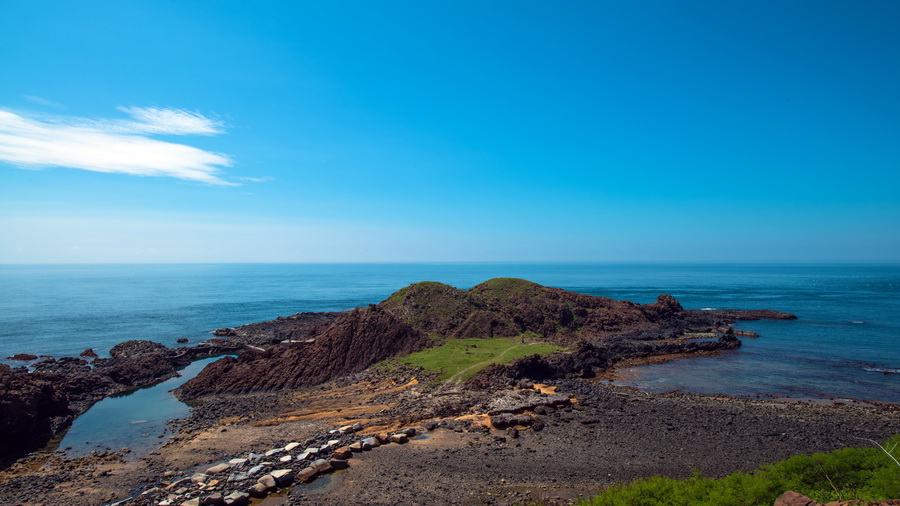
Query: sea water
845	344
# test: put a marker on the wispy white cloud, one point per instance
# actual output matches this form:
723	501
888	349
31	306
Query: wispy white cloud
152	120
114	146
43	101
265	179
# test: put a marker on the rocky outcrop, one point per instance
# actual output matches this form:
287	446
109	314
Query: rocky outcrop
22	357
136	370
504	307
36	406
749	314
134	348
599	329
297	327
354	341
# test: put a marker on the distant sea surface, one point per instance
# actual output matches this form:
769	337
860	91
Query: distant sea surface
845	344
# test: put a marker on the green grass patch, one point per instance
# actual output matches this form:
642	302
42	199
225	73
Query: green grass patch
850	473
460	359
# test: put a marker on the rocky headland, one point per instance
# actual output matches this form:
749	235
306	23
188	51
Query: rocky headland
310	394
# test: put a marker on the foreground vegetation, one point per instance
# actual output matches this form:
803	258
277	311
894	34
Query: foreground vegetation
460	359
850	473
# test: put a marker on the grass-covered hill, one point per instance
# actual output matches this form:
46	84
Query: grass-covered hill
433	315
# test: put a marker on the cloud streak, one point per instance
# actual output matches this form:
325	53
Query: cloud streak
115	146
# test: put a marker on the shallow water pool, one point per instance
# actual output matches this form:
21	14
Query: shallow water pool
136	420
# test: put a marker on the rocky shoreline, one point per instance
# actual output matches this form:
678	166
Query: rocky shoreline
515	443
302	399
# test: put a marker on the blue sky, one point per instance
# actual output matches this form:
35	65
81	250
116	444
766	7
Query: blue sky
691	131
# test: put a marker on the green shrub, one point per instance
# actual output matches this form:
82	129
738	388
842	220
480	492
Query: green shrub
849	473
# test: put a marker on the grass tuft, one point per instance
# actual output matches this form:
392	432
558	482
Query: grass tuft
460	359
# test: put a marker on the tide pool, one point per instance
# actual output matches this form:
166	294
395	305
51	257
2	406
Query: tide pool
135	420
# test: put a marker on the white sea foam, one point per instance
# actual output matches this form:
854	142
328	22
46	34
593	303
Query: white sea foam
883	370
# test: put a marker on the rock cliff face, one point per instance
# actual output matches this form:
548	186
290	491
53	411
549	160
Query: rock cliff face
35	406
354	341
424	314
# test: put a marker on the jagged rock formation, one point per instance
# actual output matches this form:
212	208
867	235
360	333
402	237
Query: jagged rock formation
37	405
354	341
423	314
297	327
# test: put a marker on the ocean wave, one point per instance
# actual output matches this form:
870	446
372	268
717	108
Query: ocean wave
707	309
857	322
882	370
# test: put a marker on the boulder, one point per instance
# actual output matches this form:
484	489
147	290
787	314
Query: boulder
306	475
22	357
268	481
285	458
321	466
237	462
219	468
791	498
258	490
410	432
383	437
199	478
504	420
371	442
192	502
214	499
238	477
338	464
273	451
283	477
399	438
343	453
88	353
135	348
237	499
290	446
255	470
356	447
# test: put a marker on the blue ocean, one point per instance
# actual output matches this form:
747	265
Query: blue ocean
845	344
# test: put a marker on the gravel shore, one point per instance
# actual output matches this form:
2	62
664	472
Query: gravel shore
606	434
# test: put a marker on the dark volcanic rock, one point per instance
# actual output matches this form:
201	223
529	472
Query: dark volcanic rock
22	356
297	327
136	370
65	365
28	405
133	348
35	406
600	330
753	314
354	341
88	353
